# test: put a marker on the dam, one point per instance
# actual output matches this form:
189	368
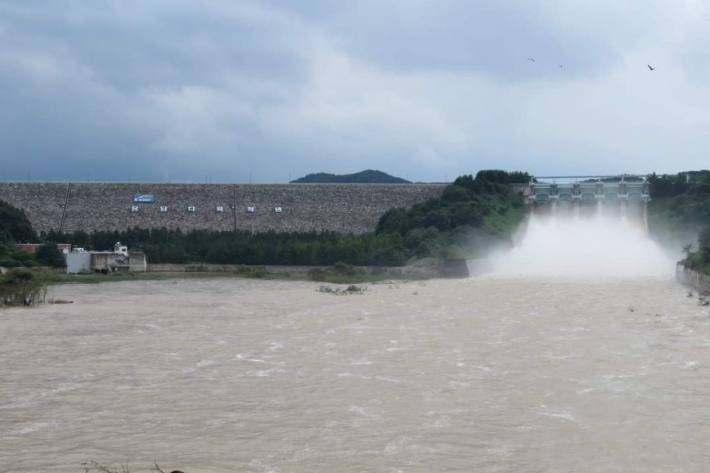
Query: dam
343	208
625	195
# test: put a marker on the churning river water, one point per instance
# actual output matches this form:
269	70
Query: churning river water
501	373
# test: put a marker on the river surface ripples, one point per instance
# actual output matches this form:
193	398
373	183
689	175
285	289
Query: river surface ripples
493	374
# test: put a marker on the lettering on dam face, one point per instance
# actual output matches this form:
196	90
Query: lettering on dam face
346	208
143	198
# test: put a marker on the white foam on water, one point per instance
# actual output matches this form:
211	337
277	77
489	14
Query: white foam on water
581	248
560	415
31	428
361	362
359	410
63	387
260	373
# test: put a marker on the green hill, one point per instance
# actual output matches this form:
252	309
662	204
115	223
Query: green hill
364	177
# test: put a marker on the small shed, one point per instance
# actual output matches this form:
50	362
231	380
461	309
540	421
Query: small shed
78	262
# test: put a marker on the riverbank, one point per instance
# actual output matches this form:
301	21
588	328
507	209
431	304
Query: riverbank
698	281
337	274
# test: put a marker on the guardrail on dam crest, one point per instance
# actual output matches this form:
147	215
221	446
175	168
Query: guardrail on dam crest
345	208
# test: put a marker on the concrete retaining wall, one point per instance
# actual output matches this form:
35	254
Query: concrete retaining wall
700	282
345	208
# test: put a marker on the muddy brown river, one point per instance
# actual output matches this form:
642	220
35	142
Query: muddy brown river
490	375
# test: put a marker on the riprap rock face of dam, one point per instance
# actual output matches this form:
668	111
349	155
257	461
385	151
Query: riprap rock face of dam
345	208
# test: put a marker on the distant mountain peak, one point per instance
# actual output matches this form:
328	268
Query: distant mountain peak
368	176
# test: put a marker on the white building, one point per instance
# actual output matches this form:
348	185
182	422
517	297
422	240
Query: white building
120	259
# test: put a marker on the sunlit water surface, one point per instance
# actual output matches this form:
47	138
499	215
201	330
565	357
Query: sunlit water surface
500	373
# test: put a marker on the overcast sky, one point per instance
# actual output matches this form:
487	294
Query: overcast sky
154	90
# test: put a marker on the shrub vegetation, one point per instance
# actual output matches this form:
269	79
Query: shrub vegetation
21	287
700	260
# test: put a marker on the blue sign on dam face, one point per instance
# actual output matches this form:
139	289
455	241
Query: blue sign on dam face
143	198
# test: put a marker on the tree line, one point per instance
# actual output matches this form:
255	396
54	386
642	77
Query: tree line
671	185
243	247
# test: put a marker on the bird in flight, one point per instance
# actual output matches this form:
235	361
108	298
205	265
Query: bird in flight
560	65
531	59
651	68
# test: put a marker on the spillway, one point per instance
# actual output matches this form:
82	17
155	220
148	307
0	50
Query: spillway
602	245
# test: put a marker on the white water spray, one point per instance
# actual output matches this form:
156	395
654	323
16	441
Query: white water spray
582	248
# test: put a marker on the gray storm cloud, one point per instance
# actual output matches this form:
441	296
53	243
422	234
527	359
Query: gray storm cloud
228	89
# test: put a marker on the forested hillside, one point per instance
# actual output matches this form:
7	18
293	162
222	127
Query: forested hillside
472	216
679	215
679	208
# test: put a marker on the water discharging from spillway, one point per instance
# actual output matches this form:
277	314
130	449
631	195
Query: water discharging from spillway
598	246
